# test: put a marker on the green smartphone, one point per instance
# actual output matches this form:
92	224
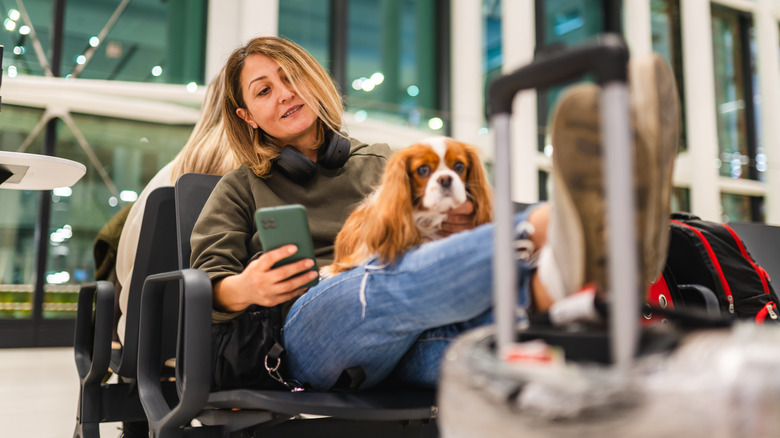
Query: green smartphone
283	225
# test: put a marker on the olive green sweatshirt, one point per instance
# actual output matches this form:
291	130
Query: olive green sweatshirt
224	239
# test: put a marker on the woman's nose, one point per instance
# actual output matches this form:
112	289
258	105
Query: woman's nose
287	94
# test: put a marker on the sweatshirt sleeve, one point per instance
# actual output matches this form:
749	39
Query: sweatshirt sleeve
221	237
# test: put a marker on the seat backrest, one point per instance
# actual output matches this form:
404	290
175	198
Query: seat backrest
763	243
192	192
156	253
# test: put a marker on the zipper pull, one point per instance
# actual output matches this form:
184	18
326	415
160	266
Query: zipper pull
731	303
769	310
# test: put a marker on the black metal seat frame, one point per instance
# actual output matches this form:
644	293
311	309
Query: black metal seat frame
378	413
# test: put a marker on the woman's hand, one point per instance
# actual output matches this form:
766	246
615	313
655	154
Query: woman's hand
460	219
262	285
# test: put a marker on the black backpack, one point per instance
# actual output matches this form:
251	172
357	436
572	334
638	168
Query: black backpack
712	255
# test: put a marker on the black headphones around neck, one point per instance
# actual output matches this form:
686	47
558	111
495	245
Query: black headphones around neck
333	154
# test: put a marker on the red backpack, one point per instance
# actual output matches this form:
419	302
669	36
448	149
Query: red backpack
712	255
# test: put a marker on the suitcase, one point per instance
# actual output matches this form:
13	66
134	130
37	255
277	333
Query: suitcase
624	380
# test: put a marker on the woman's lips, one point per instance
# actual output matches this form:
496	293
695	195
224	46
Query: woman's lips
292	111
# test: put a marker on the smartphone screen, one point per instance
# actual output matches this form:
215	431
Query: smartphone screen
284	225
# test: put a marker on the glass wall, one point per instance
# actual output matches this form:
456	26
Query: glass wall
392	66
667	41
562	23
492	49
128	154
17	223
139	40
48	238
741	208
741	154
390	55
732	43
681	199
308	24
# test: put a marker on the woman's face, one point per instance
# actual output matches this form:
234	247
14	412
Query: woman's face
273	106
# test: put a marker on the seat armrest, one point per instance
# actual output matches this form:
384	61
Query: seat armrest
193	351
92	341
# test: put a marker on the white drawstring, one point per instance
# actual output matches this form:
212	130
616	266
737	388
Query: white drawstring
363	294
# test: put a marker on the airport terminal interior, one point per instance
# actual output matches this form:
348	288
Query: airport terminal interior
117	85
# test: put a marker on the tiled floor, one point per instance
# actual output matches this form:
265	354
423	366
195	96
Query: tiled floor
39	393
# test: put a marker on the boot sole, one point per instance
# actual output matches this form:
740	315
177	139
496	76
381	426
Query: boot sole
656	114
578	187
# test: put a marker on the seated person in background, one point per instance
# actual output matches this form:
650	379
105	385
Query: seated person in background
206	151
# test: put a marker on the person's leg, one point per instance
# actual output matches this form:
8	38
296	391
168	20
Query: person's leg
578	215
576	255
371	315
421	363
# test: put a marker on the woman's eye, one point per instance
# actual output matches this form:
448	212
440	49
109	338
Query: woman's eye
459	167
263	91
424	171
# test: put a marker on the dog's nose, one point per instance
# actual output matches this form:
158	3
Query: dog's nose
445	181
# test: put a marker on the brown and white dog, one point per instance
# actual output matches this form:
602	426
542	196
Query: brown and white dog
420	185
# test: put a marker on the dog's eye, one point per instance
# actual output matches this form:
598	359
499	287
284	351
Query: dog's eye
424	171
459	167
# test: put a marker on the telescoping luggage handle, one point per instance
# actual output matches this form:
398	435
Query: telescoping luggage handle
606	59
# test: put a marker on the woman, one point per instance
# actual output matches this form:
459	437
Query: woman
206	151
277	95
384	319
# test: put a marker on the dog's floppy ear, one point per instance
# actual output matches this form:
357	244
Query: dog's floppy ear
392	229
478	187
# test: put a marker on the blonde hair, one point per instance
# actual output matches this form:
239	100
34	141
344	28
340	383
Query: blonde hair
208	148
311	82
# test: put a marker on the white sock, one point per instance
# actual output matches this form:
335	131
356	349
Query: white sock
577	307
550	275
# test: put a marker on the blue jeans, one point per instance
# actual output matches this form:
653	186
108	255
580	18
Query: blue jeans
399	317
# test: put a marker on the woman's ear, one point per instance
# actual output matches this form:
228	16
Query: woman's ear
244	114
